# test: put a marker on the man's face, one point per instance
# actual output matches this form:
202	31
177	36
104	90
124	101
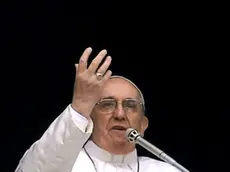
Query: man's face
110	126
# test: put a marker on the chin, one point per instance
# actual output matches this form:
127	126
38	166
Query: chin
119	140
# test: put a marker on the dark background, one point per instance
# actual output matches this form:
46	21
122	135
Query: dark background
176	54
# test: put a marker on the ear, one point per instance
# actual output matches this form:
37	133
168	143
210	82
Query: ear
144	125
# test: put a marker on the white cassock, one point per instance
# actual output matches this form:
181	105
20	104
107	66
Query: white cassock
64	147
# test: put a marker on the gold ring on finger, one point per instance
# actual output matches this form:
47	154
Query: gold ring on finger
99	76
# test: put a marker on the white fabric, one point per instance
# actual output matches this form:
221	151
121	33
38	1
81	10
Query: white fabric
60	149
106	161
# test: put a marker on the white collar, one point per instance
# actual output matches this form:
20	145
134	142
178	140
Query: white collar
103	155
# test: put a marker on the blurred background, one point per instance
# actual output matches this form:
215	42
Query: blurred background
176	54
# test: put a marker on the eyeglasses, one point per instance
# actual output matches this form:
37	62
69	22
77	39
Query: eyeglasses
109	105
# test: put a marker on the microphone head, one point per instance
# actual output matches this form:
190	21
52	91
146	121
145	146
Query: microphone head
131	134
128	131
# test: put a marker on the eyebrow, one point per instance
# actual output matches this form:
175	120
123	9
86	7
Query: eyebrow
111	97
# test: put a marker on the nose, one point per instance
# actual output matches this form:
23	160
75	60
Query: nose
119	112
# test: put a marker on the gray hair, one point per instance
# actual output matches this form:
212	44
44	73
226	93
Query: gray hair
138	90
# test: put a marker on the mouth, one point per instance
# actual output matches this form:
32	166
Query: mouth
120	128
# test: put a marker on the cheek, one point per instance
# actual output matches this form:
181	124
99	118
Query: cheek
100	123
135	122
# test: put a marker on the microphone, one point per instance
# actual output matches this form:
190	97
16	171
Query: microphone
134	136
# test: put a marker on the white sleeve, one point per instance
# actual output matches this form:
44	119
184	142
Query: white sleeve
59	146
78	119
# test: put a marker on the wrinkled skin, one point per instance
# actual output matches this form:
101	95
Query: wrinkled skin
105	135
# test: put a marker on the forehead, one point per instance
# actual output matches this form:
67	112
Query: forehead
119	89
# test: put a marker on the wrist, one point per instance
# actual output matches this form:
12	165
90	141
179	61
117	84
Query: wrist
84	109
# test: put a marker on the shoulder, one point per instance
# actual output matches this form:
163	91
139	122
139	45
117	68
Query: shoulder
150	164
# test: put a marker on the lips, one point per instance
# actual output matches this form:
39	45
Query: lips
119	127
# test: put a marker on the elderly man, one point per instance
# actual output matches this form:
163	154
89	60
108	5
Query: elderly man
89	135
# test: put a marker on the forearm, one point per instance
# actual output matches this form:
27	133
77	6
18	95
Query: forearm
58	148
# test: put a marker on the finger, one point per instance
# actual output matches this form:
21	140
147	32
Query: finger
107	75
82	66
105	65
76	66
96	61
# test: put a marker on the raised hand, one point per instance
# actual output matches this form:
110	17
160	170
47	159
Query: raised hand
89	81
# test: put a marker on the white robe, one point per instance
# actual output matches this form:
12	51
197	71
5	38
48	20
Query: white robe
60	149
